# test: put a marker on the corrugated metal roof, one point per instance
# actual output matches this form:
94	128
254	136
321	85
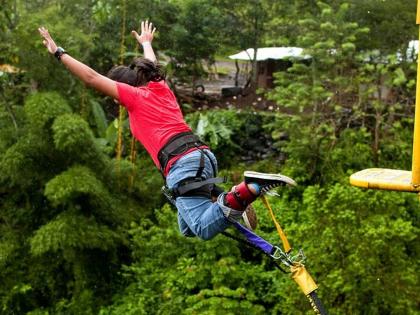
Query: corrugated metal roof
265	53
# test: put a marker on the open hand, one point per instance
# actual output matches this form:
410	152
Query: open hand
48	41
147	32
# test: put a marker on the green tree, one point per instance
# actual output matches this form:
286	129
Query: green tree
341	88
189	276
366	248
62	220
386	34
78	238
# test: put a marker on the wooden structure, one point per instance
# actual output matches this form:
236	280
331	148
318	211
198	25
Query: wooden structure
271	60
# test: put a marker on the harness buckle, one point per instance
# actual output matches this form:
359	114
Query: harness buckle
278	254
168	194
288	259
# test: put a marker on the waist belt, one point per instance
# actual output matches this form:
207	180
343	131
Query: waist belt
192	186
196	186
177	145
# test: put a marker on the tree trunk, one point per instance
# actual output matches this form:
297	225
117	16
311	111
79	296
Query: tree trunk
237	73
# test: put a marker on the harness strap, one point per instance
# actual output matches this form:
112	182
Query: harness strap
251	245
252	239
286	245
201	166
256	240
195	184
211	162
177	145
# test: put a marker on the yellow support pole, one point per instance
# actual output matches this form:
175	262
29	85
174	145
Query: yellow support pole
416	139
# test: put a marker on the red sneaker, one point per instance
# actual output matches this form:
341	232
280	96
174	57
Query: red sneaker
267	181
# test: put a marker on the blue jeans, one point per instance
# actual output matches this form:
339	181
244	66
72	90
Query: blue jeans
197	216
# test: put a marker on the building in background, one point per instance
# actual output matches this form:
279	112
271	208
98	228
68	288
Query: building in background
271	60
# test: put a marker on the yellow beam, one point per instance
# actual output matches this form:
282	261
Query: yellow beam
398	180
418	12
382	178
416	139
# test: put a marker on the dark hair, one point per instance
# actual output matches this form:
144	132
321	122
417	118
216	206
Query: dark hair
138	73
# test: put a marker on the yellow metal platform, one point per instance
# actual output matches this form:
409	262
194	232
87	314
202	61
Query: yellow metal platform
383	178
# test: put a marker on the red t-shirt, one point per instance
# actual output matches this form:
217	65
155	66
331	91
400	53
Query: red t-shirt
154	116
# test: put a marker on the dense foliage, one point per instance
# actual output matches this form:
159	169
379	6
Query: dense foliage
82	232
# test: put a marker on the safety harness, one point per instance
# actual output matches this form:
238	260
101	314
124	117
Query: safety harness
278	256
192	186
197	185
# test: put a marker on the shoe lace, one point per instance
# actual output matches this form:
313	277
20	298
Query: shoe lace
269	187
272	193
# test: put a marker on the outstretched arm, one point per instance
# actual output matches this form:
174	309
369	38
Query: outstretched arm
145	39
80	70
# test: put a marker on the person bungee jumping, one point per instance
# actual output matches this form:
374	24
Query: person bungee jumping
156	121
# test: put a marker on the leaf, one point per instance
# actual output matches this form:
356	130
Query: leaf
101	122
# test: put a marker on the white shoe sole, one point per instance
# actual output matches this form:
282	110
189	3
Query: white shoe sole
279	177
246	221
